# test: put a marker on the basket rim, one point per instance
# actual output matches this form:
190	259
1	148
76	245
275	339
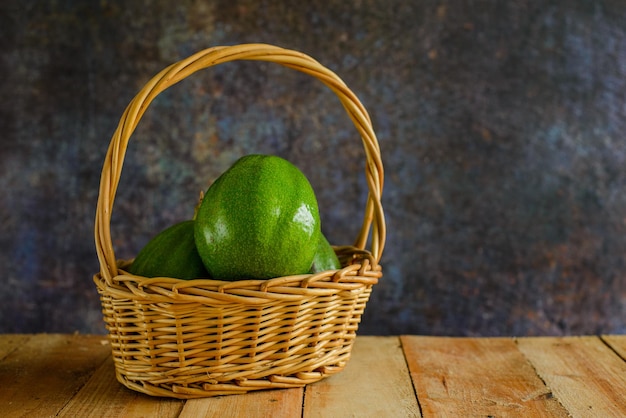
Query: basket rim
373	227
360	273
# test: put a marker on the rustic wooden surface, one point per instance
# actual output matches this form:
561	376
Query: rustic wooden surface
45	375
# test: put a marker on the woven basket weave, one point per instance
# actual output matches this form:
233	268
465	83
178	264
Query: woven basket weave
200	338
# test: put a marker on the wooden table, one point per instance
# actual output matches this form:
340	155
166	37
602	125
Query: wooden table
47	375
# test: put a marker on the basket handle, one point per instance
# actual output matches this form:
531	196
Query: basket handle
112	167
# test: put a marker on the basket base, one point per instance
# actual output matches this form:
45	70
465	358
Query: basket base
206	389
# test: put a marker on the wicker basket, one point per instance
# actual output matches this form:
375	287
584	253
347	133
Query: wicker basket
200	338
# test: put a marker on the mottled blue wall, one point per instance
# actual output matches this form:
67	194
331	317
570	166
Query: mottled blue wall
501	127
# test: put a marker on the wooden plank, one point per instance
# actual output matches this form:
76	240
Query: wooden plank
617	343
374	383
10	342
45	372
104	397
282	403
463	377
587	377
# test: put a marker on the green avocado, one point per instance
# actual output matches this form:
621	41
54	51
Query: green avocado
258	220
325	257
171	253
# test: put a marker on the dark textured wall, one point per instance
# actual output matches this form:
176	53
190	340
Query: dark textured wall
501	127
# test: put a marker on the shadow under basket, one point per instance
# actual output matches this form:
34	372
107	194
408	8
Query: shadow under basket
201	338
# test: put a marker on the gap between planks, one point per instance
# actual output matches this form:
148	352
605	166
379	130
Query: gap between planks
586	375
550	376
374	383
46	371
61	375
460	376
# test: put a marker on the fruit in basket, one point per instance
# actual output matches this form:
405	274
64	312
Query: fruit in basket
258	220
325	257
171	253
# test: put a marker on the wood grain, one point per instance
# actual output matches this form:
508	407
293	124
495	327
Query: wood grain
73	375
104	397
44	373
476	377
284	403
617	343
375	383
10	342
588	378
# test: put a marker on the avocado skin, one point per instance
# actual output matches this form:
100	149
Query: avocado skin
325	257
171	253
258	220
